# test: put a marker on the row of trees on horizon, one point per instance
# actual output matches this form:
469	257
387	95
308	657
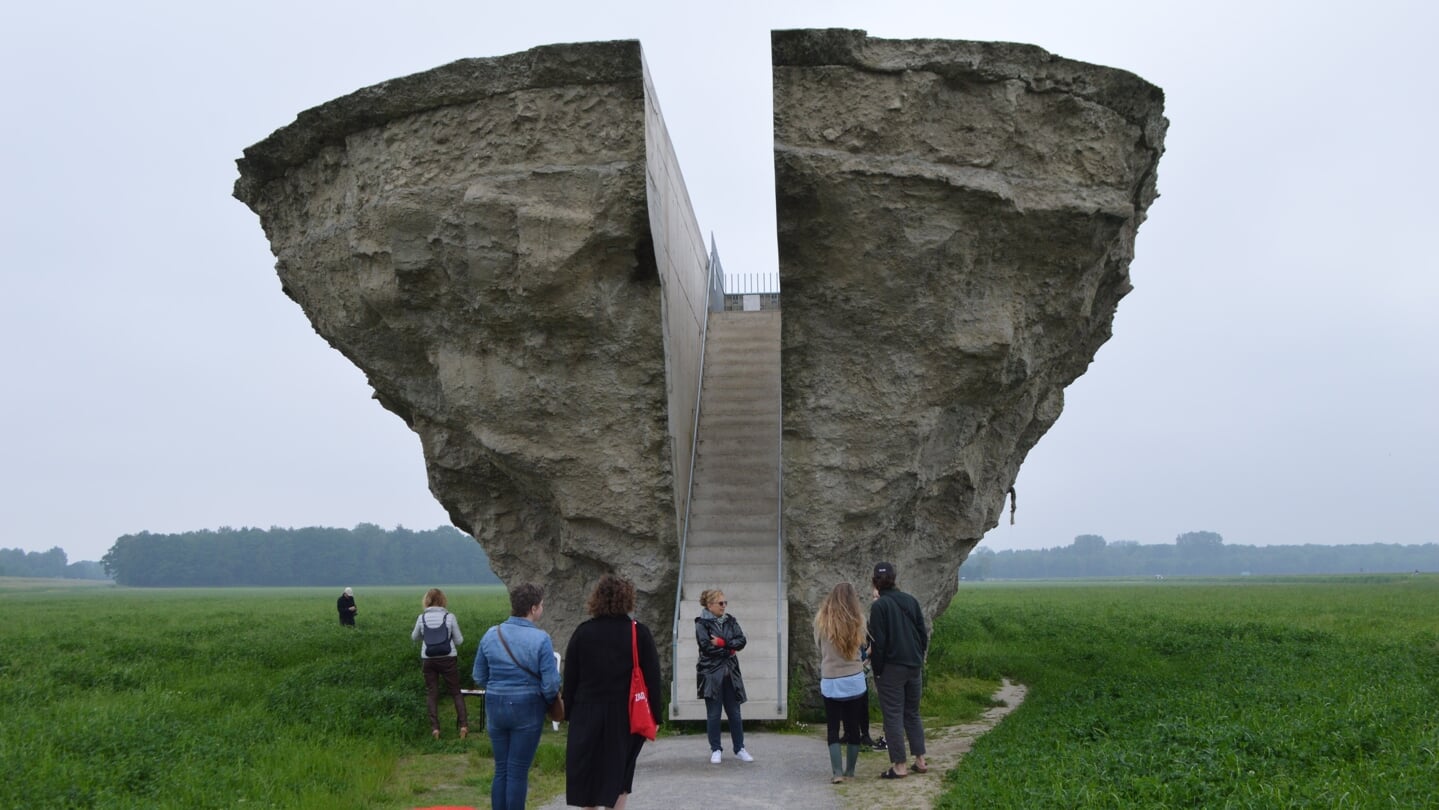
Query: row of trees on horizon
371	555
52	564
1202	553
364	555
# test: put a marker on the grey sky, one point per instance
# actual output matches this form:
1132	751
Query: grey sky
1273	376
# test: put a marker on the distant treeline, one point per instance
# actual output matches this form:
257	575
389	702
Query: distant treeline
1194	554
364	555
52	564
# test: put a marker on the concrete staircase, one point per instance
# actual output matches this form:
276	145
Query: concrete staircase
733	541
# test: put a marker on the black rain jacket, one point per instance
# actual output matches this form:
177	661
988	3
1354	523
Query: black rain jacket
717	662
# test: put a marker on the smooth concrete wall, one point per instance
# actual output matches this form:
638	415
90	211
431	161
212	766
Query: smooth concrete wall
683	262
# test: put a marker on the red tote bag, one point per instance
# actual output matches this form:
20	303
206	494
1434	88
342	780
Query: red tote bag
642	721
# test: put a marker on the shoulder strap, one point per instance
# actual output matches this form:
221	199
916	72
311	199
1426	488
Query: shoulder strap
501	633
635	641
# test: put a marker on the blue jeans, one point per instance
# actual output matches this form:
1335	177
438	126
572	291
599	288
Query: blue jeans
514	723
728	701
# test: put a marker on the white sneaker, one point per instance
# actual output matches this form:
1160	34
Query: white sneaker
744	756
714	757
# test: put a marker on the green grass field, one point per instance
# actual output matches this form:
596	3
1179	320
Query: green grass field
1303	693
228	698
1315	692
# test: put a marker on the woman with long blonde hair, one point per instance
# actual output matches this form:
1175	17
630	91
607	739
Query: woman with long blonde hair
839	630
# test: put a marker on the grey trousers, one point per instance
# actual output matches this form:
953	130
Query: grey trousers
899	690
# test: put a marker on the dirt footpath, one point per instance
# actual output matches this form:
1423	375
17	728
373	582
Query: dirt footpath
944	747
792	771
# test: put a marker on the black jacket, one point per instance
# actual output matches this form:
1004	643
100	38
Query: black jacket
896	627
715	662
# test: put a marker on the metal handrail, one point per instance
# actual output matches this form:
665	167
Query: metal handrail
779	657
694	451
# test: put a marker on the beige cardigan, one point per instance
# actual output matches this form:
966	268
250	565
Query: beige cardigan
834	665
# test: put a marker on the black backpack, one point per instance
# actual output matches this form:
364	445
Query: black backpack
437	639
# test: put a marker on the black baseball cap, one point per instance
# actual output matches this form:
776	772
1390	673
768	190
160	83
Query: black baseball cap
883	568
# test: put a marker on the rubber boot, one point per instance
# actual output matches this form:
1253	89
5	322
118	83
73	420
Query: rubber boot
851	756
834	765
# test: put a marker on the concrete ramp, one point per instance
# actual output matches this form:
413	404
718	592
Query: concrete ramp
734	539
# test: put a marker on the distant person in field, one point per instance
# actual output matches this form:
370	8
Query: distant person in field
439	631
839	629
600	753
719	683
516	665
346	605
900	643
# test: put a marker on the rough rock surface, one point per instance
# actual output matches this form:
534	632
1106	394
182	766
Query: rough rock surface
956	221
475	238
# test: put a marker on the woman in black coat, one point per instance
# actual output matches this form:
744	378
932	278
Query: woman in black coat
346	605
600	753
718	680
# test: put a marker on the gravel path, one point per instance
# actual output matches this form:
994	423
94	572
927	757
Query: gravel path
791	771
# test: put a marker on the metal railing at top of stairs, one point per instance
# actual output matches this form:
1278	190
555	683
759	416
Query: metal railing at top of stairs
714	302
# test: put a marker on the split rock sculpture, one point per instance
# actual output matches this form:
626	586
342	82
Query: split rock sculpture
505	247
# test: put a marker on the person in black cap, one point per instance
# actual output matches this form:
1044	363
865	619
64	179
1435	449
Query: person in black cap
899	644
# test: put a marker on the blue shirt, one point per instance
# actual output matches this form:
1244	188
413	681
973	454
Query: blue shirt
849	686
498	673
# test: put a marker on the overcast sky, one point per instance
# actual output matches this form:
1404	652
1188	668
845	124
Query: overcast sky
1273	377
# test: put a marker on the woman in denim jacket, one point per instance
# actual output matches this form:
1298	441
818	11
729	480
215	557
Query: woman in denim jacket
516	666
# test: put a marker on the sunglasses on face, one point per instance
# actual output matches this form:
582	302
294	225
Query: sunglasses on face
720	602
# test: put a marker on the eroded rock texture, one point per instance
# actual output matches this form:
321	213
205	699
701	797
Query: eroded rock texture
476	240
956	221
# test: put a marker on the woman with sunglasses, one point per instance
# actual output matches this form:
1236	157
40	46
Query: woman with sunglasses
719	683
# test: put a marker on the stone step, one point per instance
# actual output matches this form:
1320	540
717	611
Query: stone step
761	498
735	522
738	461
720	415
761	479
703	530
740	382
755	353
763	700
756	455
728	526
701	537
745	481
724	575
706	512
744	364
730	500
749	445
756	402
733	555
